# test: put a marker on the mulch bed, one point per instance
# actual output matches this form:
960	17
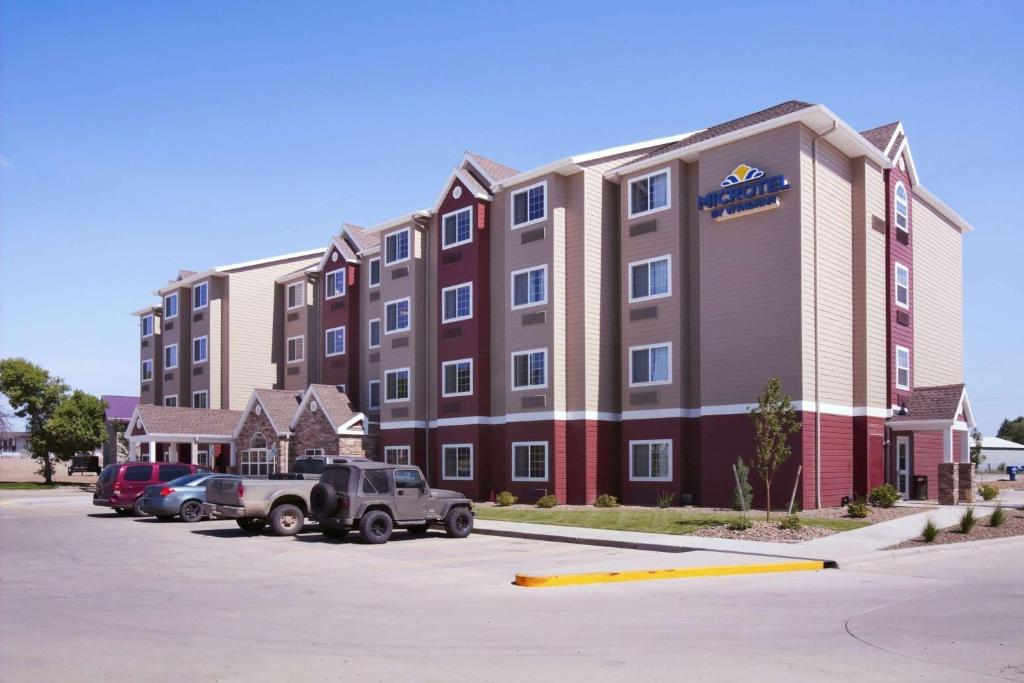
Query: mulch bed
765	531
1013	526
875	515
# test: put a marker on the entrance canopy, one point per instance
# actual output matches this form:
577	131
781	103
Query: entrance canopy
944	409
163	424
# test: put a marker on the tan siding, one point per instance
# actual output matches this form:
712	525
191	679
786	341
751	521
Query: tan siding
869	319
299	327
937	298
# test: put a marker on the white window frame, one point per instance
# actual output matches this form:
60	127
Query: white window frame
312	452
408	385
905	350
648	443
547	460
512	205
172	398
333	274
369	272
897	269
444	365
458	318
369	394
246	462
896	207
327	344
648	347
398	330
512	287
287	353
206	349
205	287
444	233
647	262
203	457
176	359
408	255
369	333
152	325
149	362
177	305
392	449
300	299
528	387
668	193
444	462
205	393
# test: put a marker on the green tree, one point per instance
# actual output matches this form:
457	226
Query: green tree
76	425
745	489
34	395
977	457
1012	430
774	420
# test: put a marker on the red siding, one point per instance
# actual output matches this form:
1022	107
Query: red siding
899	333
647	492
868	454
926	453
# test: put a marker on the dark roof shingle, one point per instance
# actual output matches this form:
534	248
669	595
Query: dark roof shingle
191	421
932	403
492	168
363	239
880	137
334	403
280	405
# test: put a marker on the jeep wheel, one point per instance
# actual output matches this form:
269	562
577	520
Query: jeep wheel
375	527
458	523
138	510
252	525
191	511
335	534
418	529
286	519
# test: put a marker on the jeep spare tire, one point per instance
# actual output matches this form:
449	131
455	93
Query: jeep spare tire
459	522
323	499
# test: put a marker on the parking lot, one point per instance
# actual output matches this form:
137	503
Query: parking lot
88	595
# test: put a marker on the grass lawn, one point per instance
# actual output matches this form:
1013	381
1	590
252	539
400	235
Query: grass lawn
25	485
654	520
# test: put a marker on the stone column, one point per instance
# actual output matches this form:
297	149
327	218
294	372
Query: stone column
948	483
965	486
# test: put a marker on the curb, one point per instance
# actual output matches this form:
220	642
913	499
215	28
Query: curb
528	581
925	550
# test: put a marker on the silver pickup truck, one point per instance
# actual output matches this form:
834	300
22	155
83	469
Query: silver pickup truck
281	501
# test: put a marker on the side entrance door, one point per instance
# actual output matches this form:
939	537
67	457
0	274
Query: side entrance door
903	465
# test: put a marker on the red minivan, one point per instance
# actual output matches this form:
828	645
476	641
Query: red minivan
121	486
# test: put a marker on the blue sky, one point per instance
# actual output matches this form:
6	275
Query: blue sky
139	138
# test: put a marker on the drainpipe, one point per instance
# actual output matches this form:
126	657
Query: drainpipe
817	398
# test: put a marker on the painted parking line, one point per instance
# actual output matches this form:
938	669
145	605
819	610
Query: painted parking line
530	581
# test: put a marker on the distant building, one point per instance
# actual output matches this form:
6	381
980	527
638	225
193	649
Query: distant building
14	445
1001	452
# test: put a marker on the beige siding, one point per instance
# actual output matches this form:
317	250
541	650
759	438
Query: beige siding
296	324
937	298
869	282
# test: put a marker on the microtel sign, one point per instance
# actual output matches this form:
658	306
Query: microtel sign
745	190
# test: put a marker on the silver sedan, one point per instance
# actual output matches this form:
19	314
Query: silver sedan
183	497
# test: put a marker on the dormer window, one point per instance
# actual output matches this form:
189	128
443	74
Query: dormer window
902	209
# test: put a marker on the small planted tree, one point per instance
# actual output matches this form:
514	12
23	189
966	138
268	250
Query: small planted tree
774	421
977	457
743	497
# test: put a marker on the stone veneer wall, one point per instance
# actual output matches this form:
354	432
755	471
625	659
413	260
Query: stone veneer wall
261	423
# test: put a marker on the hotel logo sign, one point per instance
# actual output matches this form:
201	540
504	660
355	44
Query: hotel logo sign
745	190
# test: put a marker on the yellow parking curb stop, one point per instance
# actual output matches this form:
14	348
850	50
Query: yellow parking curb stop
528	581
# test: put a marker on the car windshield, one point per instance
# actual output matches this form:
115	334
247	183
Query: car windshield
188	479
308	466
337	477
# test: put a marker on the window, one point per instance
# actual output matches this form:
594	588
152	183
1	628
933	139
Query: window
408	479
902	209
649	193
138	473
335	284
375	333
650	364
171	306
147	325
650	460
376	482
902	286
200	399
457	462
312	452
650	279
257	440
396	455
530	461
255	462
529	369
902	367
396	385
200	296
374	272
457	303
396	315
167	473
171	401
529	205
529	287
297	293
147	369
396	247
335	345
296	349
170	356
203	459
457	377
374	387
456	228
199	349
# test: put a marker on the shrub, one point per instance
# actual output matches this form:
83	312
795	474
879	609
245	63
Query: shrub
988	492
665	499
741	523
745	489
998	516
606	500
547	501
930	532
791	523
967	521
884	496
505	499
858	509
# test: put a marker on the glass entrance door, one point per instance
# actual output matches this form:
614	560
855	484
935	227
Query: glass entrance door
903	465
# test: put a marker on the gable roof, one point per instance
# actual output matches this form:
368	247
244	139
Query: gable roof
279	405
363	239
342	246
201	422
881	137
491	170
336	408
467	179
119	407
936	404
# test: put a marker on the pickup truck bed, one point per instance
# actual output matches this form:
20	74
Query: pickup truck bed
254	503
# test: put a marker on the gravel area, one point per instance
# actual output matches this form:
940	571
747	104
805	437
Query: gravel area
1013	526
765	531
875	515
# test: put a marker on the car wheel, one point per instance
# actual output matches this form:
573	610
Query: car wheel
252	525
138	510
418	529
335	534
123	511
458	523
191	511
286	520
375	527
